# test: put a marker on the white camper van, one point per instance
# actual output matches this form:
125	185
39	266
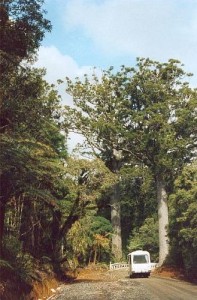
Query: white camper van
139	263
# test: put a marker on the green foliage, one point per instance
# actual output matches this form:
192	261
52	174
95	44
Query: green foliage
32	161
89	177
183	220
87	236
22	28
100	225
146	238
17	264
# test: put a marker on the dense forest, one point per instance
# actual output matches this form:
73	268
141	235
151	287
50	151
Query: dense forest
131	185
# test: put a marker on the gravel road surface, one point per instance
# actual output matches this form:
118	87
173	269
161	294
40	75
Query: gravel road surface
116	285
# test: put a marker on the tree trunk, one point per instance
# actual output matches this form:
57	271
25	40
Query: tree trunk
116	223
163	221
95	256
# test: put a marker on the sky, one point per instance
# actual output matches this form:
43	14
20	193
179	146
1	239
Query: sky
104	33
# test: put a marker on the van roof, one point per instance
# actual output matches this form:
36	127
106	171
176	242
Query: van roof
139	252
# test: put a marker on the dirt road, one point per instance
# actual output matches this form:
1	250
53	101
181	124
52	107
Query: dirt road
172	289
116	285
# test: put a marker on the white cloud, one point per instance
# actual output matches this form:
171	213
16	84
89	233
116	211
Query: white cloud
59	65
159	29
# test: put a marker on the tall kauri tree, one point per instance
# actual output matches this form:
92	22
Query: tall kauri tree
145	114
161	124
97	117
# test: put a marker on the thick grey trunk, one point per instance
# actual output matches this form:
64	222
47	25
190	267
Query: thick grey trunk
163	221
116	223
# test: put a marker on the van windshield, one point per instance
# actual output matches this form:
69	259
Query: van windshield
140	259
